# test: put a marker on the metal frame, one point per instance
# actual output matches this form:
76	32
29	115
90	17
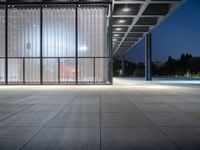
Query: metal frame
118	48
41	4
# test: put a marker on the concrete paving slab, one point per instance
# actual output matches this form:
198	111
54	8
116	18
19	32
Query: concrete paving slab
75	120
28	119
118	108
82	108
124	120
155	108
188	138
45	108
172	119
66	138
13	138
139	138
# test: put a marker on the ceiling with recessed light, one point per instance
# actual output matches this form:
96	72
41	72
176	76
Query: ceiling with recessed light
132	19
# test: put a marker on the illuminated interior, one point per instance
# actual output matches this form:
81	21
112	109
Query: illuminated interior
55	44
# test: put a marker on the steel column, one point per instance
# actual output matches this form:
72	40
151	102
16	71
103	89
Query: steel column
41	61
76	44
148	57
110	45
6	44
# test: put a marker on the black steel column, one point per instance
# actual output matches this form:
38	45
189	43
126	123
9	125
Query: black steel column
58	70
94	68
23	70
6	44
148	58
41	62
110	45
76	46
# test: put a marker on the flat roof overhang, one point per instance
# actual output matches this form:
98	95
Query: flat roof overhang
132	19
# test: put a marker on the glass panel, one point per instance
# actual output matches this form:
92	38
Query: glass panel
86	70
67	70
92	36
50	70
2	71
32	70
23	31
2	31
15	70
2	44
102	70
59	31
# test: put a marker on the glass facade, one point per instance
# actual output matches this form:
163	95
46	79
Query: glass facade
2	44
55	44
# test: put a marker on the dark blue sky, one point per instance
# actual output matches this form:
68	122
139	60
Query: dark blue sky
179	33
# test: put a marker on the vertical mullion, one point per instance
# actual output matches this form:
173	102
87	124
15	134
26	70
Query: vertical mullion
6	44
23	70
110	46
58	70
76	41
94	68
41	62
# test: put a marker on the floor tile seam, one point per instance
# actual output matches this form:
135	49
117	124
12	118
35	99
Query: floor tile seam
15	113
134	126
161	131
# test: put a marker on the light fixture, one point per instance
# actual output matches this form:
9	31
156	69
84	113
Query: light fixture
126	9
118	29
122	21
114	39
83	48
116	34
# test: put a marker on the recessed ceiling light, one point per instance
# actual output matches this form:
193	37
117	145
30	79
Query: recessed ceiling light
122	21
116	34
126	9
118	29
114	39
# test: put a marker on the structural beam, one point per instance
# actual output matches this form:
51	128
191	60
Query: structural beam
148	57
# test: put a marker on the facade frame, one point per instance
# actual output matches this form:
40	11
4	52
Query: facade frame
41	4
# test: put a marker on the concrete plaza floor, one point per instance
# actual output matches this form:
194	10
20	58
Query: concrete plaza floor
129	115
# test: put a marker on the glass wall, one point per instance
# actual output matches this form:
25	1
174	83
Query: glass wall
59	33
92	44
23	44
2	44
54	44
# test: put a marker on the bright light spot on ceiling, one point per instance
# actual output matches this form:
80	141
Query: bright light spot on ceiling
122	21
126	9
116	34
118	29
114	39
83	48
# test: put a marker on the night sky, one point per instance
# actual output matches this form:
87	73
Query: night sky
179	33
